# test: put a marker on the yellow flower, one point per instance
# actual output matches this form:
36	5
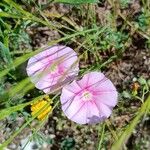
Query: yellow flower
36	107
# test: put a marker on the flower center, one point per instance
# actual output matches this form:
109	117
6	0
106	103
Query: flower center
53	69
86	96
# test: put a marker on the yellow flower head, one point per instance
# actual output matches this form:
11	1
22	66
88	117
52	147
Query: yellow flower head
36	107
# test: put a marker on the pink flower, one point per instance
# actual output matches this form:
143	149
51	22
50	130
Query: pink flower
89	100
53	68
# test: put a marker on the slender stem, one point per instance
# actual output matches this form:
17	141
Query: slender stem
4	144
102	136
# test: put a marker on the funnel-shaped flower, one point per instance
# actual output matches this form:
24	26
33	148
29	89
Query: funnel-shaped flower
89	100
52	68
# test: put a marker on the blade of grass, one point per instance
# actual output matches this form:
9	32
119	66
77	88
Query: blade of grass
136	29
22	86
76	1
68	20
128	131
5	53
114	134
41	123
102	136
7	111
8	15
4	144
25	57
30	16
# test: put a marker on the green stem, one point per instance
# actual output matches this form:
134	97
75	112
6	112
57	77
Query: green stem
102	136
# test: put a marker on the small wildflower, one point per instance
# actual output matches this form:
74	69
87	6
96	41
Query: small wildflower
89	100
52	68
135	88
36	107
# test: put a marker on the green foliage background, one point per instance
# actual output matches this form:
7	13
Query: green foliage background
92	37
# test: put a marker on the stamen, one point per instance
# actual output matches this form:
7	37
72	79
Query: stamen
86	96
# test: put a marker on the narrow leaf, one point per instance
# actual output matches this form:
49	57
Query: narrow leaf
126	134
5	54
76	1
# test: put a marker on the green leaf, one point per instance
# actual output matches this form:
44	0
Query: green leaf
126	94
5	54
142	81
76	1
